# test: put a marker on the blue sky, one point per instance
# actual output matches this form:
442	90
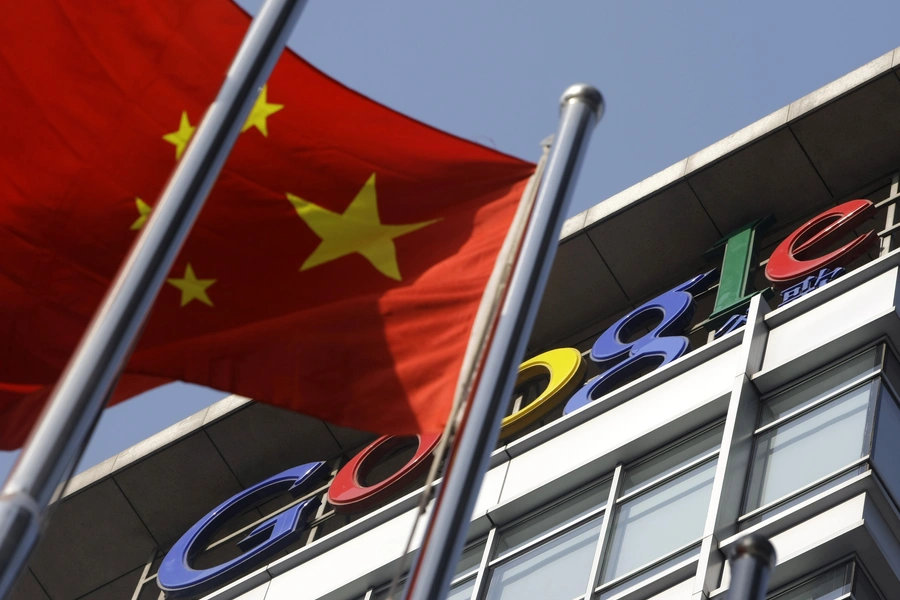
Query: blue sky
677	76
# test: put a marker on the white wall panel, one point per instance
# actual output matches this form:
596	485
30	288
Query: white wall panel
491	490
628	421
831	320
682	591
813	532
354	559
257	593
823	526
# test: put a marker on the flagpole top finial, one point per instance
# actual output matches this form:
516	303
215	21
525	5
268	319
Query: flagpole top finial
586	93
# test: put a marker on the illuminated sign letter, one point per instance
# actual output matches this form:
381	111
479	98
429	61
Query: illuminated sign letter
348	493
566	369
739	257
176	576
661	345
796	257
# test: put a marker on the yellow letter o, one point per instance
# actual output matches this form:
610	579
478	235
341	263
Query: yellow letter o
566	368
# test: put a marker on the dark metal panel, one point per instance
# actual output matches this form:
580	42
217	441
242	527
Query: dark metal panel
657	242
261	441
172	490
581	290
772	175
96	537
27	588
853	140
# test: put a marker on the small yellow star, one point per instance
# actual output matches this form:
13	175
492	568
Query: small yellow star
144	210
357	230
261	110
180	138
191	287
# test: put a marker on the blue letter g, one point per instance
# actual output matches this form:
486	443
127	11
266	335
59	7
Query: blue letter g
176	576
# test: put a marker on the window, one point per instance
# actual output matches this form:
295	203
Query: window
844	581
563	549
660	512
823	431
813	435
462	591
549	555
830	585
561	515
463	580
660	521
556	570
810	446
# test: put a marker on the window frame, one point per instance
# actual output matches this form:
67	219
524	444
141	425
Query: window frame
856	569
882	346
555	532
493	558
669	557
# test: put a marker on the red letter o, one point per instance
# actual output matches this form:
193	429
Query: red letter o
794	258
348	494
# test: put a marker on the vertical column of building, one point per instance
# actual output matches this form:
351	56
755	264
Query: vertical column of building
737	442
605	532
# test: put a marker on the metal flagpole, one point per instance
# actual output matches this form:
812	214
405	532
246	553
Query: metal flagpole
445	533
58	439
752	560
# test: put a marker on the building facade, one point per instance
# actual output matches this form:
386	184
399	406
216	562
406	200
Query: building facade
629	466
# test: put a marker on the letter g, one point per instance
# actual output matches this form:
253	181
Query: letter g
176	576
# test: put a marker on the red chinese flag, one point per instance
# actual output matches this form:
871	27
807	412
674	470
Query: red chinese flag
337	265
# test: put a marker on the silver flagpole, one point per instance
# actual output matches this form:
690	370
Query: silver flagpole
445	533
62	432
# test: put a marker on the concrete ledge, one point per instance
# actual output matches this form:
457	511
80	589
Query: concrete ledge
841	86
635	193
848	522
155	443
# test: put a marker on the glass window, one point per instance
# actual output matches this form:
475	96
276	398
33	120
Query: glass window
862	588
891	368
557	570
803	497
820	386
659	521
660	511
471	558
690	554
673	459
559	515
830	585
887	442
809	447
462	591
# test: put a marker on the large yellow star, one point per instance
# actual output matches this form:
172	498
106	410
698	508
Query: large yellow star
191	287
180	138
144	211
261	110
358	230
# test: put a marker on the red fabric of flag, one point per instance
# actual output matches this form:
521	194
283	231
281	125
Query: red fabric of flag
338	263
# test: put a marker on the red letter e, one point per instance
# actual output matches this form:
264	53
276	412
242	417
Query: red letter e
795	258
